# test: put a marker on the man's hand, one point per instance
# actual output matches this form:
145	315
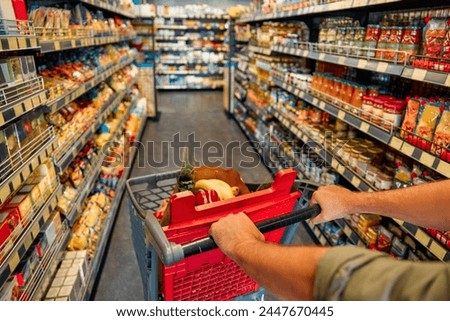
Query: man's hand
234	232
335	202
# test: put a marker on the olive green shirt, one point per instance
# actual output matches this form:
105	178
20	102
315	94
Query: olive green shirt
352	273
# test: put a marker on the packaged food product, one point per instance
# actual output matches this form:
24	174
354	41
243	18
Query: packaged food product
441	140
383	41
434	36
428	116
33	191
399	249
410	119
384	239
393	114
23	205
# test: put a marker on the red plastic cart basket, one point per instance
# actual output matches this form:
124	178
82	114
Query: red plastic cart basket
192	267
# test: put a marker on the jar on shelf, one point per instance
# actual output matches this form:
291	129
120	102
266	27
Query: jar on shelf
340	40
410	43
393	45
315	116
357	42
393	113
336	91
367	107
378	110
338	145
330	90
341	95
373	91
357	98
383	41
371	39
349	93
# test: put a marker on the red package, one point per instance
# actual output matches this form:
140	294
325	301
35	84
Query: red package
206	197
20	9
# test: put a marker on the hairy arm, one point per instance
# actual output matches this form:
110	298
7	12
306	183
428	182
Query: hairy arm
426	205
294	266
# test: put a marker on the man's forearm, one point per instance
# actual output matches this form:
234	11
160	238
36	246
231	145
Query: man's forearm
425	205
294	267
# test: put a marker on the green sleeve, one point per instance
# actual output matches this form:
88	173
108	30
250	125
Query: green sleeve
352	273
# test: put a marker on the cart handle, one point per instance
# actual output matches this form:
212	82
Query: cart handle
295	216
170	252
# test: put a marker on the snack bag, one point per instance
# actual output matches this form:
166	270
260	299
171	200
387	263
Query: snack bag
441	141
428	118
410	120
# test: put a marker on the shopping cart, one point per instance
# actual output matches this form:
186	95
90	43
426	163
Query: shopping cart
181	262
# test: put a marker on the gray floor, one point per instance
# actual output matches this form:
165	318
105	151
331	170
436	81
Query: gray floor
182	114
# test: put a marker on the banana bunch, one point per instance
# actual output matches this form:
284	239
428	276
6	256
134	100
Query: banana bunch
223	189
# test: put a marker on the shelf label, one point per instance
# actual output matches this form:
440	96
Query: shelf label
14	261
362	64
340	169
57	45
358	3
22	42
407	149
444	168
438	250
364	127
12	44
422	237
334	163
356	181
396	143
322	105
341	114
321	56
427	159
341	60
382	66
447	81
419	74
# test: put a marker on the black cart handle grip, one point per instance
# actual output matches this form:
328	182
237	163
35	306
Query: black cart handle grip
272	224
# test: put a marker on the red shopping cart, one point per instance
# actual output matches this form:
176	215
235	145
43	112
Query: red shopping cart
181	262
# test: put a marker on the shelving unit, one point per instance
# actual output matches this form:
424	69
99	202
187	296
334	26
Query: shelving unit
32	95
180	42
388	137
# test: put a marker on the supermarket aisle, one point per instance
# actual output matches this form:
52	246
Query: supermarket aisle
185	113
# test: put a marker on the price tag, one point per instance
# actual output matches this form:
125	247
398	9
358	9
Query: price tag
34	232
396	143
334	163
422	237
341	60
364	127
315	101
444	168
14	261
382	66
362	64
22	42
340	169
16	182
438	250
427	159
321	56
419	74
407	149
341	115
356	181
12	44
57	45
358	3
447	81
322	105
